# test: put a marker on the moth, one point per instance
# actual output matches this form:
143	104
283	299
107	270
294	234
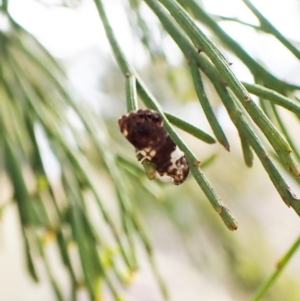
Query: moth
145	131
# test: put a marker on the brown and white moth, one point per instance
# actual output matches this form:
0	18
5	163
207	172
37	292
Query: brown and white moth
144	130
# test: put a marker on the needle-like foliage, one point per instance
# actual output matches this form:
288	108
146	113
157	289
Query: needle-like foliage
36	99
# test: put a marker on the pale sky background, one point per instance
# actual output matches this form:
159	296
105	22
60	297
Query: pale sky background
68	34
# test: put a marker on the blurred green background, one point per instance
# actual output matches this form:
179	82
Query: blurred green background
78	213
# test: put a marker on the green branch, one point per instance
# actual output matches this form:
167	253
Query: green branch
268	27
192	130
203	43
258	71
152	103
274	97
245	131
265	286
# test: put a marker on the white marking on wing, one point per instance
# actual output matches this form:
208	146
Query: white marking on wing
152	153
125	132
175	155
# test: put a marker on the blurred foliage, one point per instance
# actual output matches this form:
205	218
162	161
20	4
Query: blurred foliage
76	187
